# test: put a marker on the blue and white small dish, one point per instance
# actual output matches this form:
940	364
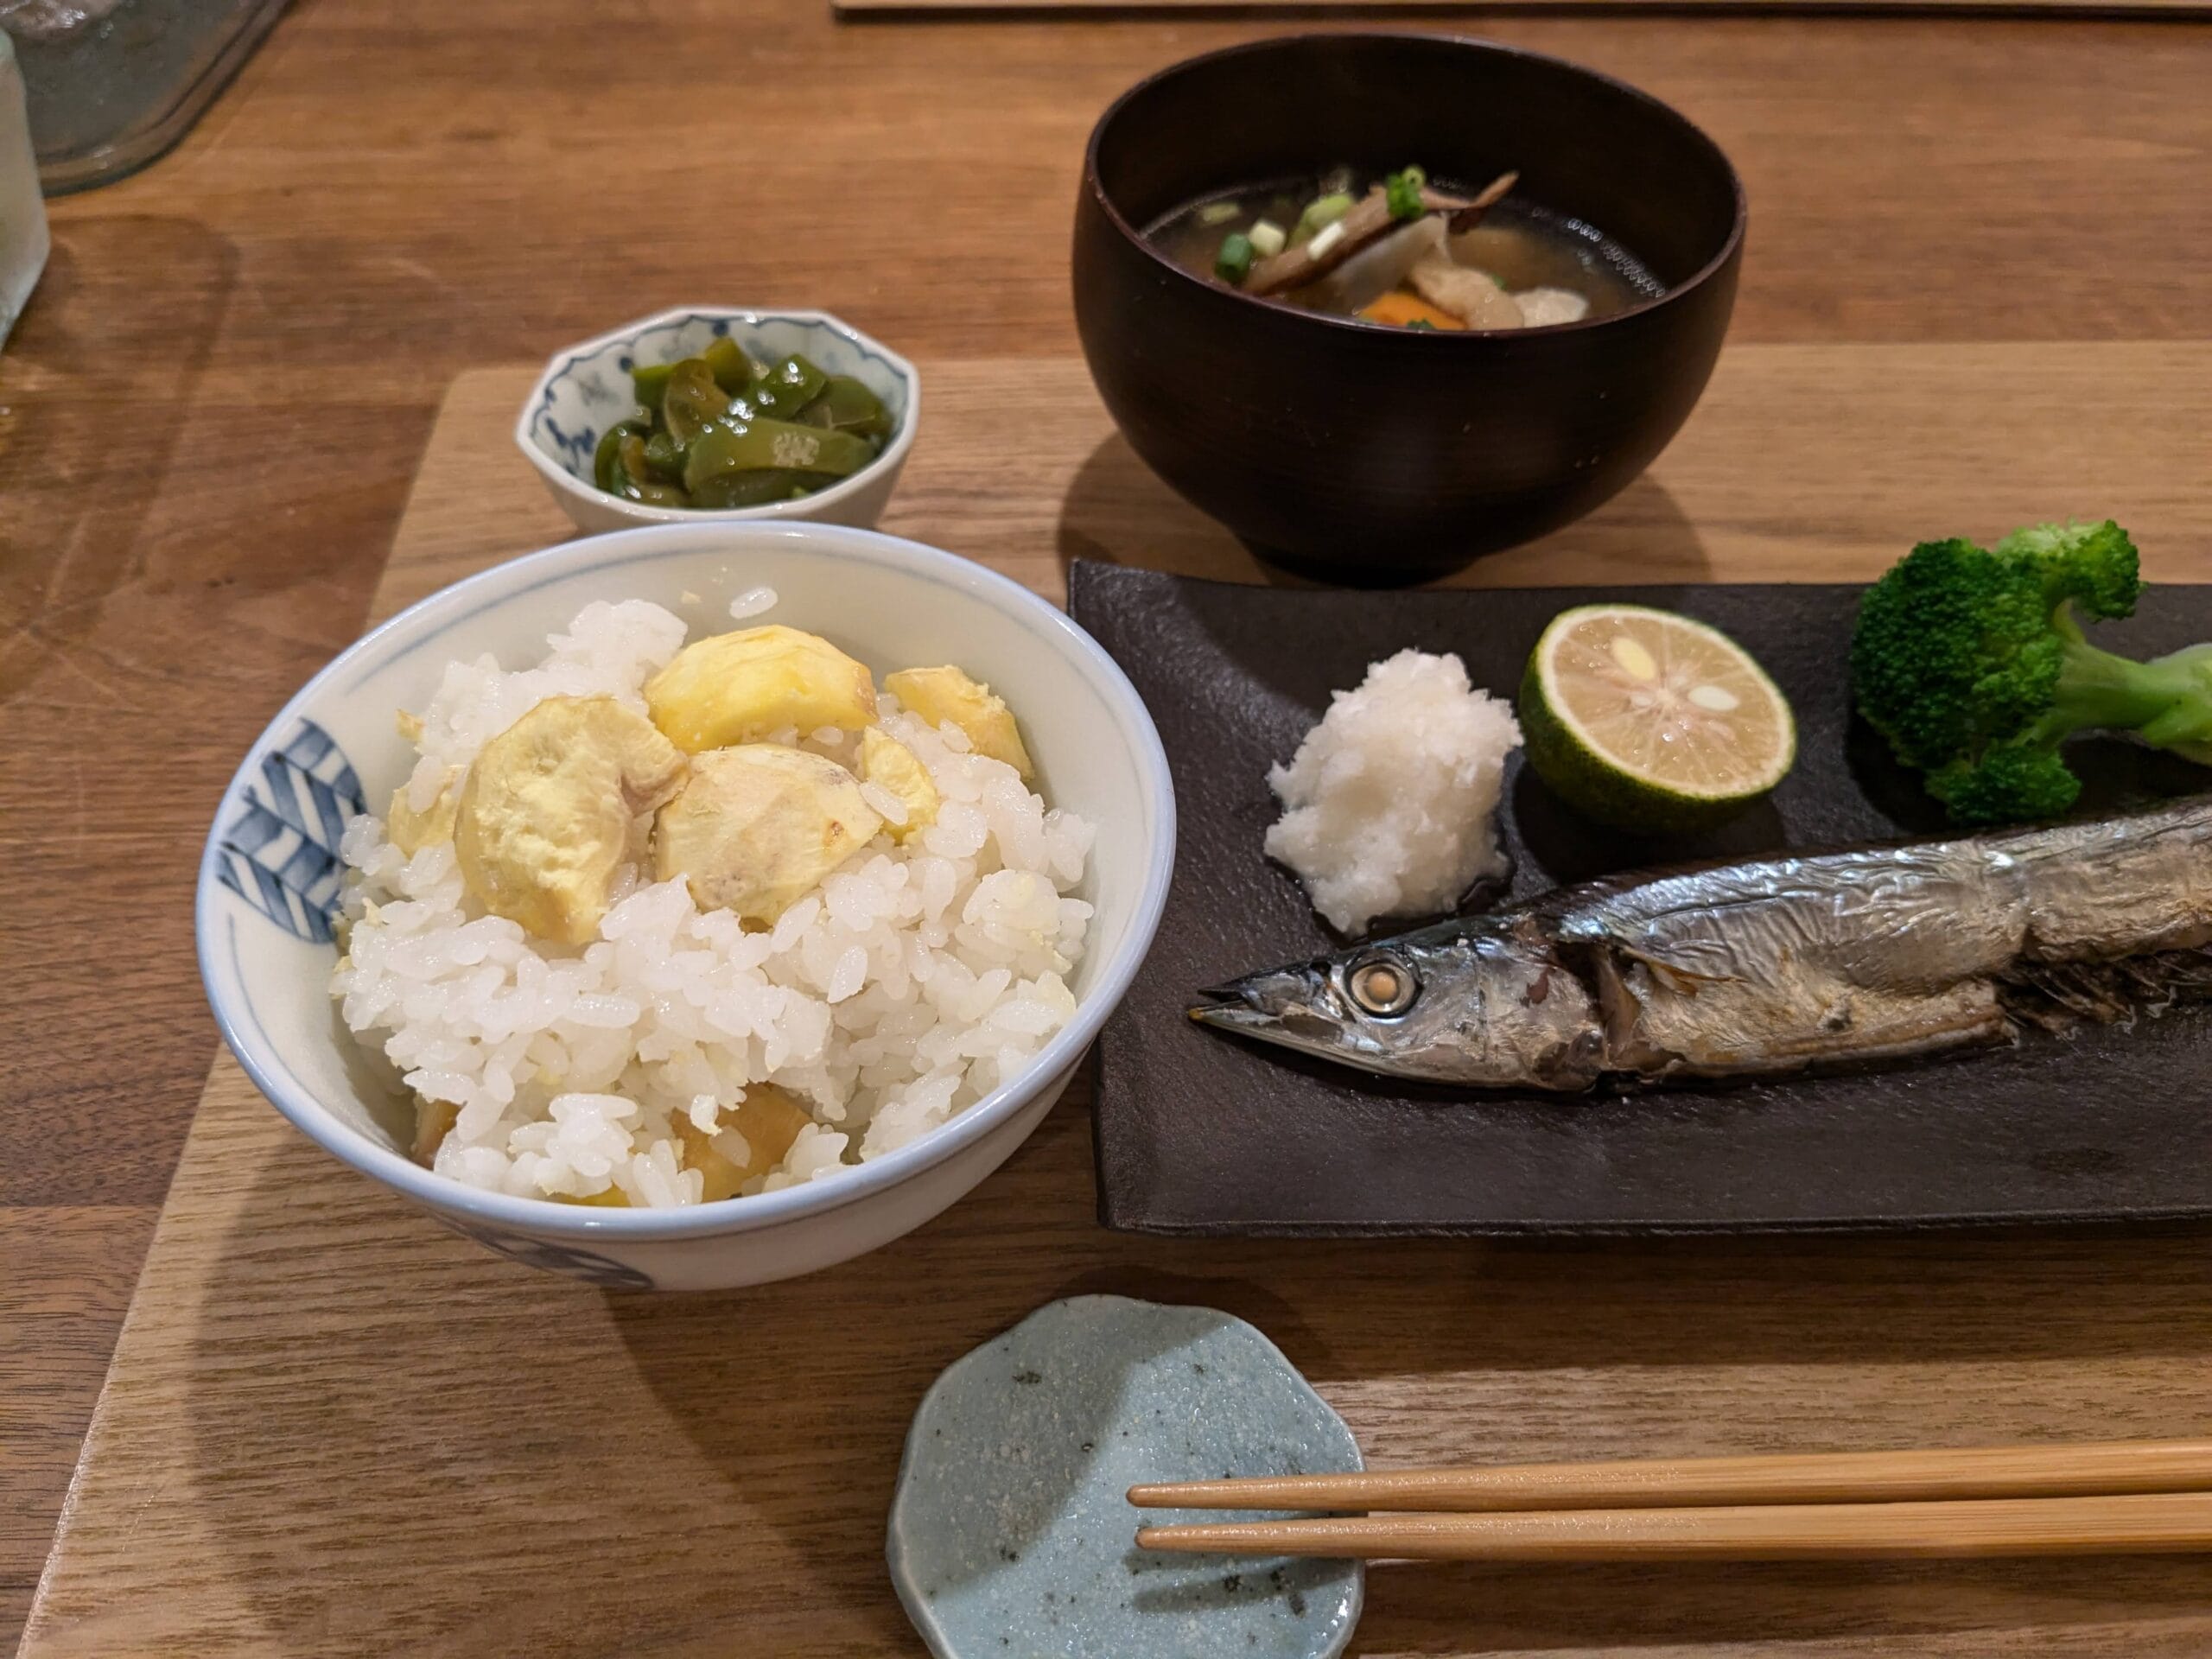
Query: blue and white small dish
1012	1531
587	388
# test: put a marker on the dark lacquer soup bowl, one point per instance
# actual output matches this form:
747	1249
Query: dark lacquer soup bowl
1365	454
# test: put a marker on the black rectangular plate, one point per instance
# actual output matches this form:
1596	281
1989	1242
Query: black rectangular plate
1200	1133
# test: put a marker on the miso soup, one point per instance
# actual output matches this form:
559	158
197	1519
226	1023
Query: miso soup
1384	250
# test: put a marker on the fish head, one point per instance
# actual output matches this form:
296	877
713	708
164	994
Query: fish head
1484	1006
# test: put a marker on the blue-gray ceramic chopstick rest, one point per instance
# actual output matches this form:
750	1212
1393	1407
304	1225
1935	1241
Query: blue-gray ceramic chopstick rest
1012	1533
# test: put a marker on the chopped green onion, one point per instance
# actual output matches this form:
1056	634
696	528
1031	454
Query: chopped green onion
1321	213
1331	234
1268	238
1422	322
1403	191
1234	262
1217	213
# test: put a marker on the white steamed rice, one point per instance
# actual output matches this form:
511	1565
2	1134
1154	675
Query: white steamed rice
915	981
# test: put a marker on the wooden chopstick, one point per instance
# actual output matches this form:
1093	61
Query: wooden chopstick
2160	1521
2110	1467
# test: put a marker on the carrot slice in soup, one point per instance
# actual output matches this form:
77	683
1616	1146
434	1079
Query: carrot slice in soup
1404	310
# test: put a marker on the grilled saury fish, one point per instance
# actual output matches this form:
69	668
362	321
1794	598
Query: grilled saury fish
1770	966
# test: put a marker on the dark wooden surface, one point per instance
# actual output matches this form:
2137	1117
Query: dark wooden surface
210	414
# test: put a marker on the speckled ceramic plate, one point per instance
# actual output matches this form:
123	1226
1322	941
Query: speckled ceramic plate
1011	1532
1199	1133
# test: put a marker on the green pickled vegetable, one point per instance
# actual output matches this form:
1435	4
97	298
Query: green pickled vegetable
1234	263
784	391
634	479
757	488
846	405
763	443
651	379
732	368
724	430
693	401
604	458
665	455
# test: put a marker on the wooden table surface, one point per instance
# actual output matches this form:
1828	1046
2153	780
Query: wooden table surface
210	414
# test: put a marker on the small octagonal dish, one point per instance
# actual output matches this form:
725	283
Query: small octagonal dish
586	388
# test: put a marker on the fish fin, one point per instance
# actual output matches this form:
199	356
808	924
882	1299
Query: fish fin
2059	996
1672	975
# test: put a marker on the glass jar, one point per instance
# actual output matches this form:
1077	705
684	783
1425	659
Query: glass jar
114	83
22	212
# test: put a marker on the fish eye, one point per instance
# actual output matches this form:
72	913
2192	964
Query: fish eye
1382	985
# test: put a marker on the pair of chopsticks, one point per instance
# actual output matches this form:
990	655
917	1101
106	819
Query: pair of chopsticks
2116	1497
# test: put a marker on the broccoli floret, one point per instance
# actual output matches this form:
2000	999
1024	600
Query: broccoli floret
1973	664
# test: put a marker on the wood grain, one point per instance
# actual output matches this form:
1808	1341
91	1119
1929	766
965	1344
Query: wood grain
1485	11
331	1429
1017	465
210	414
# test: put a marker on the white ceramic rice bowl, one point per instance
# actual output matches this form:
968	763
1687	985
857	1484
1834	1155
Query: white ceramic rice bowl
270	871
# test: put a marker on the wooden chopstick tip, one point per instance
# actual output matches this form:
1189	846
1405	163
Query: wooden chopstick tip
1157	1495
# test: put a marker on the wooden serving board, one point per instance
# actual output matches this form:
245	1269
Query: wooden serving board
332	1428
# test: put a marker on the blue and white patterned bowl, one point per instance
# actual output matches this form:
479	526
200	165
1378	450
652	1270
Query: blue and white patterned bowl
271	874
586	388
